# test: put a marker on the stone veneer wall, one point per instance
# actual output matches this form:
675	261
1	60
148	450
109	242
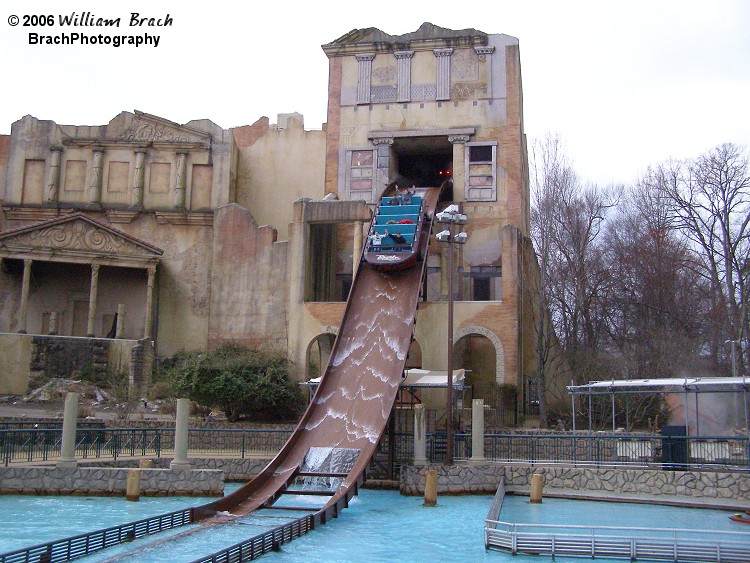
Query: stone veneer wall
610	482
233	469
106	481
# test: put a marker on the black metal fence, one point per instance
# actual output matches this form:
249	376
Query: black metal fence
395	450
35	445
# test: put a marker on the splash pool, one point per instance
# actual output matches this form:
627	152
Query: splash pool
378	526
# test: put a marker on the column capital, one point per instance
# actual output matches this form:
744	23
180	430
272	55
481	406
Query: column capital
403	54
95	268
484	50
27	262
458	139
445	52
382	141
365	56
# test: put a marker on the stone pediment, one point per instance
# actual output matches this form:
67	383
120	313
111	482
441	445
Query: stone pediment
428	36
144	129
80	239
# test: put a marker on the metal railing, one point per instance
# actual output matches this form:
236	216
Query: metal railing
265	542
86	544
33	445
652	544
599	449
673	452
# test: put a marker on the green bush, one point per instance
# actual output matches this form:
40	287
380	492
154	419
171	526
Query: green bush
245	383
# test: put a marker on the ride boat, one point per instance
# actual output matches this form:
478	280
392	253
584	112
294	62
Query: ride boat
394	239
742	518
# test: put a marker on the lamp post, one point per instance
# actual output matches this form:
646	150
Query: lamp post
451	217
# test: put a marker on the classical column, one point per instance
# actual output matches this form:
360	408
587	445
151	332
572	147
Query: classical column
53	175
485	56
92	299
443	78
138	175
383	164
149	303
459	165
180	460
180	181
24	307
403	60
120	320
357	247
420	436
365	72
95	185
53	323
477	430
70	417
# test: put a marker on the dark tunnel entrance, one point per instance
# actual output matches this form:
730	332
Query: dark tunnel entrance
424	161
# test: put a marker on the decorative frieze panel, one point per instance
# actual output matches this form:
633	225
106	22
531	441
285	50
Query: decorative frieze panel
77	238
383	94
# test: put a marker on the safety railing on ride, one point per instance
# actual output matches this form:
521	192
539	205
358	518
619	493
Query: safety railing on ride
265	542
33	445
86	544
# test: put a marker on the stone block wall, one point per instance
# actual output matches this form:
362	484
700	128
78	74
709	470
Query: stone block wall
68	357
108	481
701	486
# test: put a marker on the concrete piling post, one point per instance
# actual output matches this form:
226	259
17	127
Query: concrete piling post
180	460
537	484
70	418
133	486
430	487
477	430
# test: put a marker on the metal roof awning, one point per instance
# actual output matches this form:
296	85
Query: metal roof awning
662	385
419	378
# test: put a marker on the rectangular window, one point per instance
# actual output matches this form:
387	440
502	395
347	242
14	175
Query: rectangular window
485	283
481	171
480	153
360	172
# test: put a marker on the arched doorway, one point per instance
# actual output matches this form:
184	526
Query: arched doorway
480	352
318	354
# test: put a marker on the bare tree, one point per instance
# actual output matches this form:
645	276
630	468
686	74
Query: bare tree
710	201
567	218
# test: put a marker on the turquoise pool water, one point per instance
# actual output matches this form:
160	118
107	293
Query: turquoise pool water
377	526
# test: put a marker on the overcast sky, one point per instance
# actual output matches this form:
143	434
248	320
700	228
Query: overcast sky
624	83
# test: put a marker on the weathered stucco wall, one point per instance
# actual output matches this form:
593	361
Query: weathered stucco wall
15	359
249	282
277	166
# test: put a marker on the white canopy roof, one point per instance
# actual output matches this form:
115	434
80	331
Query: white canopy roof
672	385
421	378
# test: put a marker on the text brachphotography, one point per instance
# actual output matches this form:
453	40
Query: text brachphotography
75	38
